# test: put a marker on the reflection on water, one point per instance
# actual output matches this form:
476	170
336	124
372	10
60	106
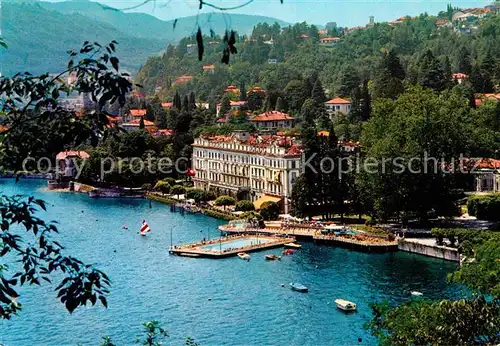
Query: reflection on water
218	302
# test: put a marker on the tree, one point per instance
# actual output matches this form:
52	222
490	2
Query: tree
295	94
464	61
280	105
254	101
243	92
244	206
178	190
318	93
389	76
141	124
177	103
38	125
430	73
349	81
366	107
270	211
163	187
223	201
225	105
424	131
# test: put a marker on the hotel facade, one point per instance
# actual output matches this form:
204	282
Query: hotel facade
253	167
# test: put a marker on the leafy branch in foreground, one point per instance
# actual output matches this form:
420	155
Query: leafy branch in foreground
39	257
155	336
37	125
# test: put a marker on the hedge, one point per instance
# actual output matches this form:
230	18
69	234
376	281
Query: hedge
485	207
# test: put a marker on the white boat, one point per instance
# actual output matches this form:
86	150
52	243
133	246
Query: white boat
244	256
298	287
272	257
345	305
144	228
293	245
416	294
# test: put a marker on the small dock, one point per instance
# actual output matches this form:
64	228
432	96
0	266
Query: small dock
230	246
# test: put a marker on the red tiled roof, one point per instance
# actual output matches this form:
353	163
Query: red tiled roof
441	22
459	76
72	153
3	128
163	132
113	119
167	105
138	112
338	100
304	36
183	79
238	103
329	39
232	89
272	116
208	67
136	122
485	163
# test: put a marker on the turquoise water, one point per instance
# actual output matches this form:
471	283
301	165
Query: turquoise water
235	244
247	304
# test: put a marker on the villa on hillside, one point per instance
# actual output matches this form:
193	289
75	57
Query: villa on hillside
167	105
338	104
273	119
258	168
459	77
329	41
134	114
183	79
209	68
134	125
481	98
235	106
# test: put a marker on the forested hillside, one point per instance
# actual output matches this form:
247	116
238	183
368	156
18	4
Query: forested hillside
357	57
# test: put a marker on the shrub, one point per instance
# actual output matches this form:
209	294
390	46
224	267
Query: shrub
178	190
370	221
270	211
147	187
196	194
244	206
224	201
162	186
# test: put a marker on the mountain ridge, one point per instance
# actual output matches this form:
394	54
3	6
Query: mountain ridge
40	33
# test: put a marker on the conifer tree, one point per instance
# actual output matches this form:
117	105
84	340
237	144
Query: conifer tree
464	61
366	107
430	73
243	92
192	102
141	124
177	103
318	94
389	77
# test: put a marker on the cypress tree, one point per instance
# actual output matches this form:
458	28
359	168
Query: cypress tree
243	92
318	93
141	124
476	79
192	101
464	61
389	77
447	71
185	103
177	101
367	101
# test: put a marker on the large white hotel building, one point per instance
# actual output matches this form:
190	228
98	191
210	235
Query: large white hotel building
255	167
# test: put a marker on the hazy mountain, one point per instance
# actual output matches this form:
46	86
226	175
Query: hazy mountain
40	33
38	39
147	26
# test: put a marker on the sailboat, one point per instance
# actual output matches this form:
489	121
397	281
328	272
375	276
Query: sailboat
145	228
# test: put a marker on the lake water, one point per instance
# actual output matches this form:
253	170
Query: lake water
234	244
217	302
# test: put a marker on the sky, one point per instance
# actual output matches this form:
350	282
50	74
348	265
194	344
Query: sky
343	12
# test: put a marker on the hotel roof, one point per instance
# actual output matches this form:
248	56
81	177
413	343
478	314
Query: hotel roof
138	112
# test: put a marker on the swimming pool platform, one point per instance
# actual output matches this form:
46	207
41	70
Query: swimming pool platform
230	246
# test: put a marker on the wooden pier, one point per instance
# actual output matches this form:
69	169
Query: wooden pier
198	250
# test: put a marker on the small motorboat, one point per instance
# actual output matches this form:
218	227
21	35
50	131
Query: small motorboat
298	287
293	245
345	305
272	257
416	294
288	252
244	256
